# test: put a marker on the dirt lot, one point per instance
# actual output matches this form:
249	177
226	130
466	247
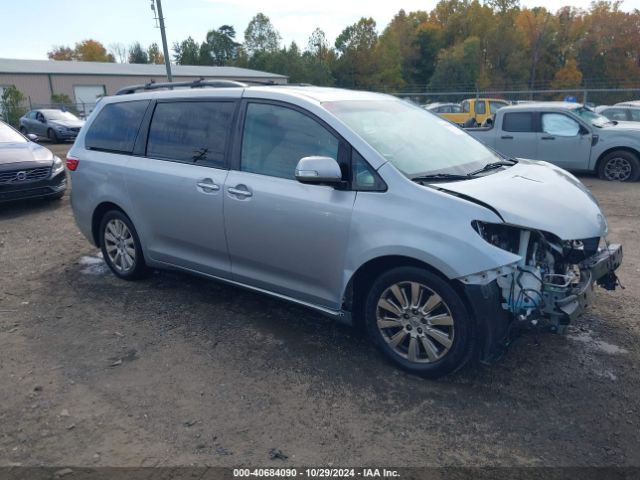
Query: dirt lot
178	370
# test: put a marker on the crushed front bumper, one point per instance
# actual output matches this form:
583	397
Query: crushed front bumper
496	326
600	269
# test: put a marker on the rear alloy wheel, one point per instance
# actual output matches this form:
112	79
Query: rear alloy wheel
120	246
419	321
619	166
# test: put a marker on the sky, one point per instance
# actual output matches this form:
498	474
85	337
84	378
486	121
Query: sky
29	29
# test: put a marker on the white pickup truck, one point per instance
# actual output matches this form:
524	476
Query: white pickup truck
568	135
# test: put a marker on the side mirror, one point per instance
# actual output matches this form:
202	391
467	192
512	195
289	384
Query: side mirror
584	130
32	136
316	170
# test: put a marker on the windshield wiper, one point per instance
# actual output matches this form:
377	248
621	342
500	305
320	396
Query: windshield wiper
440	176
493	166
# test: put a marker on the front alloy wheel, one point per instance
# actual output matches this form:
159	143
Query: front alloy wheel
419	321
620	166
415	322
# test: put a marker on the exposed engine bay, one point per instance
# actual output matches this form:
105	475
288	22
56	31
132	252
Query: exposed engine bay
553	281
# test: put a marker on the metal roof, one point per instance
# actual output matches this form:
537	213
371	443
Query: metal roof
56	67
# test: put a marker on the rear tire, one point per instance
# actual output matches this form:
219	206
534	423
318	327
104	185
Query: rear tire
24	131
121	247
419	321
619	166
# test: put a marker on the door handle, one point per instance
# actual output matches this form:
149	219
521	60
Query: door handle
547	138
239	192
506	137
208	185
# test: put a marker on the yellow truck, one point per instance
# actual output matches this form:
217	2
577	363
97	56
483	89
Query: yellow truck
474	111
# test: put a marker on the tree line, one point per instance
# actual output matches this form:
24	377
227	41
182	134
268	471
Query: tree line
458	45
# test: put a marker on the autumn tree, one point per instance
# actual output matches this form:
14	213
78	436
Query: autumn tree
61	53
84	51
154	54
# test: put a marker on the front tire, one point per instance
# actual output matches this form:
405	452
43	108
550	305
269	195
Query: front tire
53	136
619	166
121	247
419	321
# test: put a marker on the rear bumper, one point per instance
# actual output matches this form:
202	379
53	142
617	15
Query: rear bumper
50	187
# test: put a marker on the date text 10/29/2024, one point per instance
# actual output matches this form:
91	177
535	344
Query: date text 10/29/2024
316	472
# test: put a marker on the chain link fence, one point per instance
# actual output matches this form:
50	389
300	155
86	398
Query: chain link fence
590	96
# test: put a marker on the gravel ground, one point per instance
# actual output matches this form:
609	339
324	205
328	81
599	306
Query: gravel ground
178	370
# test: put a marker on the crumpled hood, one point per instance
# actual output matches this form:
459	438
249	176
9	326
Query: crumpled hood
537	195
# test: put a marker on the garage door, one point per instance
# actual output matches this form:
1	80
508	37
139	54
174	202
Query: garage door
86	96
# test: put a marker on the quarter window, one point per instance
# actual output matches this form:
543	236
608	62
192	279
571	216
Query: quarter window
465	107
116	127
480	108
518	122
194	132
635	115
275	138
559	125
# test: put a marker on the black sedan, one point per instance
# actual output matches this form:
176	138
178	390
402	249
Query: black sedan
28	170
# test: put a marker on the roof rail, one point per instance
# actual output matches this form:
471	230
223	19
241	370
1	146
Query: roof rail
201	82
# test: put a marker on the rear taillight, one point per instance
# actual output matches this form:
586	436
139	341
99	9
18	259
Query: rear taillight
72	163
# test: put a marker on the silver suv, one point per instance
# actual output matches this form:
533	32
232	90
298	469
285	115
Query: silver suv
358	205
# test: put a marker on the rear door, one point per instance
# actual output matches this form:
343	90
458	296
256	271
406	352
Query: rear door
285	236
563	141
517	136
176	187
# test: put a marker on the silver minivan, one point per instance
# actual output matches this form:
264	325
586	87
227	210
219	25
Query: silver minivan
358	205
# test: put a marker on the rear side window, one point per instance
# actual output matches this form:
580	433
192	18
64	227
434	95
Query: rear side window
518	122
116	127
480	107
635	115
465	107
194	132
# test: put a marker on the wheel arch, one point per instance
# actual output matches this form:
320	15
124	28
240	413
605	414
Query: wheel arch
97	216
365	275
614	149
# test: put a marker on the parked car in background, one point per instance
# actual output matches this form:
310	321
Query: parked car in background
630	103
475	111
620	113
568	135
356	204
28	170
53	124
444	107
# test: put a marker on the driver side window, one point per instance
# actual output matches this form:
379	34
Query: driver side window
559	125
275	138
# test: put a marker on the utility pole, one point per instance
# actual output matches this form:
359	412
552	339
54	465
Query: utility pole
165	49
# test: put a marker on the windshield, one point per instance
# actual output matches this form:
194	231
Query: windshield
590	116
9	135
59	115
415	141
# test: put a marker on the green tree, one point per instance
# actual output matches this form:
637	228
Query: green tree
356	62
12	103
458	67
261	36
221	47
187	52
137	54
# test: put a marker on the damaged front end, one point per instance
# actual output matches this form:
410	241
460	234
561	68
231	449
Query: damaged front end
548	287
